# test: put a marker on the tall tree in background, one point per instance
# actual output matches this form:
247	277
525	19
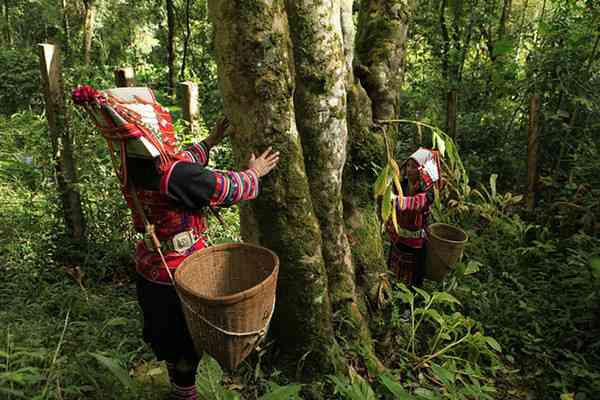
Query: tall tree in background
171	45
286	81
88	29
7	30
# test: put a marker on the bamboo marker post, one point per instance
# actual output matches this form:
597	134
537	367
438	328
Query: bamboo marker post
61	140
124	77
189	103
532	151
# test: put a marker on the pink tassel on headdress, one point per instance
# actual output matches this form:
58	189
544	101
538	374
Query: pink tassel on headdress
86	94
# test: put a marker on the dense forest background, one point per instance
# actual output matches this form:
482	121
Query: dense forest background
519	318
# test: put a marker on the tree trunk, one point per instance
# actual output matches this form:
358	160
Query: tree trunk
188	33
532	151
451	112
252	48
171	46
88	29
7	31
286	80
60	137
66	28
380	47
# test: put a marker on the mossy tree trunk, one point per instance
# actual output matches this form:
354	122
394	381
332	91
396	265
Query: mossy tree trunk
285	73
382	33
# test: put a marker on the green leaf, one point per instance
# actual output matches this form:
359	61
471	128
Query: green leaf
426	394
441	145
436	316
445	376
493	179
210	377
386	204
113	366
472	267
380	183
288	392
444	297
395	388
493	344
422	293
120	321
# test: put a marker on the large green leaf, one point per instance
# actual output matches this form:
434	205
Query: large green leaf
446	376
210	381
113	366
395	388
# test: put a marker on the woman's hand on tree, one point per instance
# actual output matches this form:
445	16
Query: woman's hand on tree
264	163
218	133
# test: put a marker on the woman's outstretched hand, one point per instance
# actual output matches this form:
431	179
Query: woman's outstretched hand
218	132
264	163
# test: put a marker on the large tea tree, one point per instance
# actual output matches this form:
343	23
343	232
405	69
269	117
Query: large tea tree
286	77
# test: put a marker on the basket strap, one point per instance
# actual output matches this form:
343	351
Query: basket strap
259	332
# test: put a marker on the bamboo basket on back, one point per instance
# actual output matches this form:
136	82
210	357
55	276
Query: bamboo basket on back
228	297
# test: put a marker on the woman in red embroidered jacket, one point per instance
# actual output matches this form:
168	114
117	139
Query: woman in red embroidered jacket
421	171
174	190
190	187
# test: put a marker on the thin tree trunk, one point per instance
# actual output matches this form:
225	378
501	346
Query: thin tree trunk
186	41
88	29
532	151
7	30
171	46
451	112
189	103
61	140
252	48
66	28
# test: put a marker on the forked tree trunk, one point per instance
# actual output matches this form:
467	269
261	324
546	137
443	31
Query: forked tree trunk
286	79
88	29
252	48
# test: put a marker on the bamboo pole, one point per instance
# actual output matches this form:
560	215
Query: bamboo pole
124	77
61	140
189	102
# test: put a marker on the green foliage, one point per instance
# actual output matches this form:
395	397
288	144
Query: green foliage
19	81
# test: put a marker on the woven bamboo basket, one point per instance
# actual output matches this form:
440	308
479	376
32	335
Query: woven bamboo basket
444	248
228	297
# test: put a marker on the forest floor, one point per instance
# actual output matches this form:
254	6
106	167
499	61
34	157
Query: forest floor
533	291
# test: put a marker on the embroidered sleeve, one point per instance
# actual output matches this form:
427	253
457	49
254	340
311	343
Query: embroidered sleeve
233	187
196	153
418	202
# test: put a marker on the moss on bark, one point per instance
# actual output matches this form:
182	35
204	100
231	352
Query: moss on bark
255	80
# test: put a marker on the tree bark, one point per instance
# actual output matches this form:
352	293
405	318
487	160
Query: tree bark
380	47
256	80
7	30
61	140
532	151
66	28
171	46
88	29
188	33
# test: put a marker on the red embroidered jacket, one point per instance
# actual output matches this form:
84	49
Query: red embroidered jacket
170	217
